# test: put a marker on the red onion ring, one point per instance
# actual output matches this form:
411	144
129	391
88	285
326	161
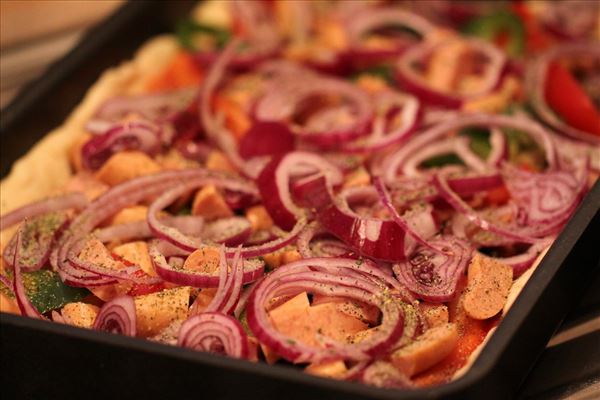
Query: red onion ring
75	201
27	309
118	197
331	277
134	135
253	269
372	237
323	129
416	85
230	284
230	231
375	18
426	222
117	316
216	333
158	107
423	140
546	200
522	262
473	216
431	275
274	182
382	135
323	248
188	224
173	235
535	79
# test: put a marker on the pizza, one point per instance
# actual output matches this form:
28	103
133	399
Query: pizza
359	189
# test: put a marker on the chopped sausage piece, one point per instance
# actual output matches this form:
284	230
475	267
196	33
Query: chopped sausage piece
489	282
129	214
332	369
78	314
156	311
204	260
126	165
210	204
259	218
435	314
427	350
136	253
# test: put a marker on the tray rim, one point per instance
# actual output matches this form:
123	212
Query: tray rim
485	361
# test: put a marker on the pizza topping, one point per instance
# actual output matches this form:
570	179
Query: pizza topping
312	180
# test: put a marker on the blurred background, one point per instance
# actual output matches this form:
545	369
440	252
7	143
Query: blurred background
35	33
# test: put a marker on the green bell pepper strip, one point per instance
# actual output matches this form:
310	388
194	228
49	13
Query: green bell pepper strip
491	27
187	29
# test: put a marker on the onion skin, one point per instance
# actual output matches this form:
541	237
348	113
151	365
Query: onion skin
414	84
117	316
266	138
274	181
371	237
214	332
434	276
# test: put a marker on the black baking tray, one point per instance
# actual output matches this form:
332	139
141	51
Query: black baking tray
45	360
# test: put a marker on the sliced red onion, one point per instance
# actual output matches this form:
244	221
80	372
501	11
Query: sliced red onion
37	239
154	107
27	309
571	20
381	17
375	18
266	138
331	277
117	316
431	275
372	237
253	269
230	284
188	224
522	262
425	219
385	132
230	231
134	135
535	80
75	201
274	184
324	128
476	218
213	126
415	83
215	333
172	234
383	374
425	140
126	194
546	200
321	247
499	148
